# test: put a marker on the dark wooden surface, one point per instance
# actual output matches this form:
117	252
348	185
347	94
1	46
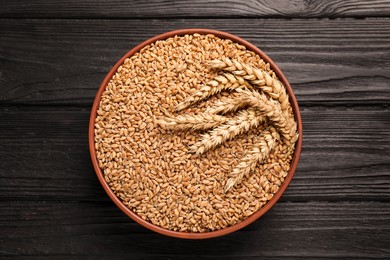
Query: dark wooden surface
53	56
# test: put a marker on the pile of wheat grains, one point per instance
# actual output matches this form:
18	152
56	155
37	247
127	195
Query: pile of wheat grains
151	169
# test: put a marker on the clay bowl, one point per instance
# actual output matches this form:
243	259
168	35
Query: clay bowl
226	230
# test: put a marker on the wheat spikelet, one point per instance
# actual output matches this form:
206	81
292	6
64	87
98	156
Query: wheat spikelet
261	78
241	123
258	154
219	83
201	121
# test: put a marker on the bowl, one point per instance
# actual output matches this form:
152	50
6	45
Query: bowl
226	230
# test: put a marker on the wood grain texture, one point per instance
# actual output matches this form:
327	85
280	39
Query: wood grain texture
198	8
100	230
64	61
53	57
345	156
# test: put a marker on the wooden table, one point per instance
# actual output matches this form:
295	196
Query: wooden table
53	57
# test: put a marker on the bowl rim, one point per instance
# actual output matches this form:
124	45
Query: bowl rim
180	234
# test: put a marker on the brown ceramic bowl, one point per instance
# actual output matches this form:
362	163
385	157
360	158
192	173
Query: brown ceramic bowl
226	230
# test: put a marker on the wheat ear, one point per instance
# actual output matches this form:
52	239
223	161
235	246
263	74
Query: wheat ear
259	153
201	121
283	120
227	105
234	75
225	81
241	123
261	78
218	84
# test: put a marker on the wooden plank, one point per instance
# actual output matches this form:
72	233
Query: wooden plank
288	230
345	156
198	8
328	62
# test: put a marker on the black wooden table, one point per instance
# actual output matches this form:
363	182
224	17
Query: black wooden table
53	57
